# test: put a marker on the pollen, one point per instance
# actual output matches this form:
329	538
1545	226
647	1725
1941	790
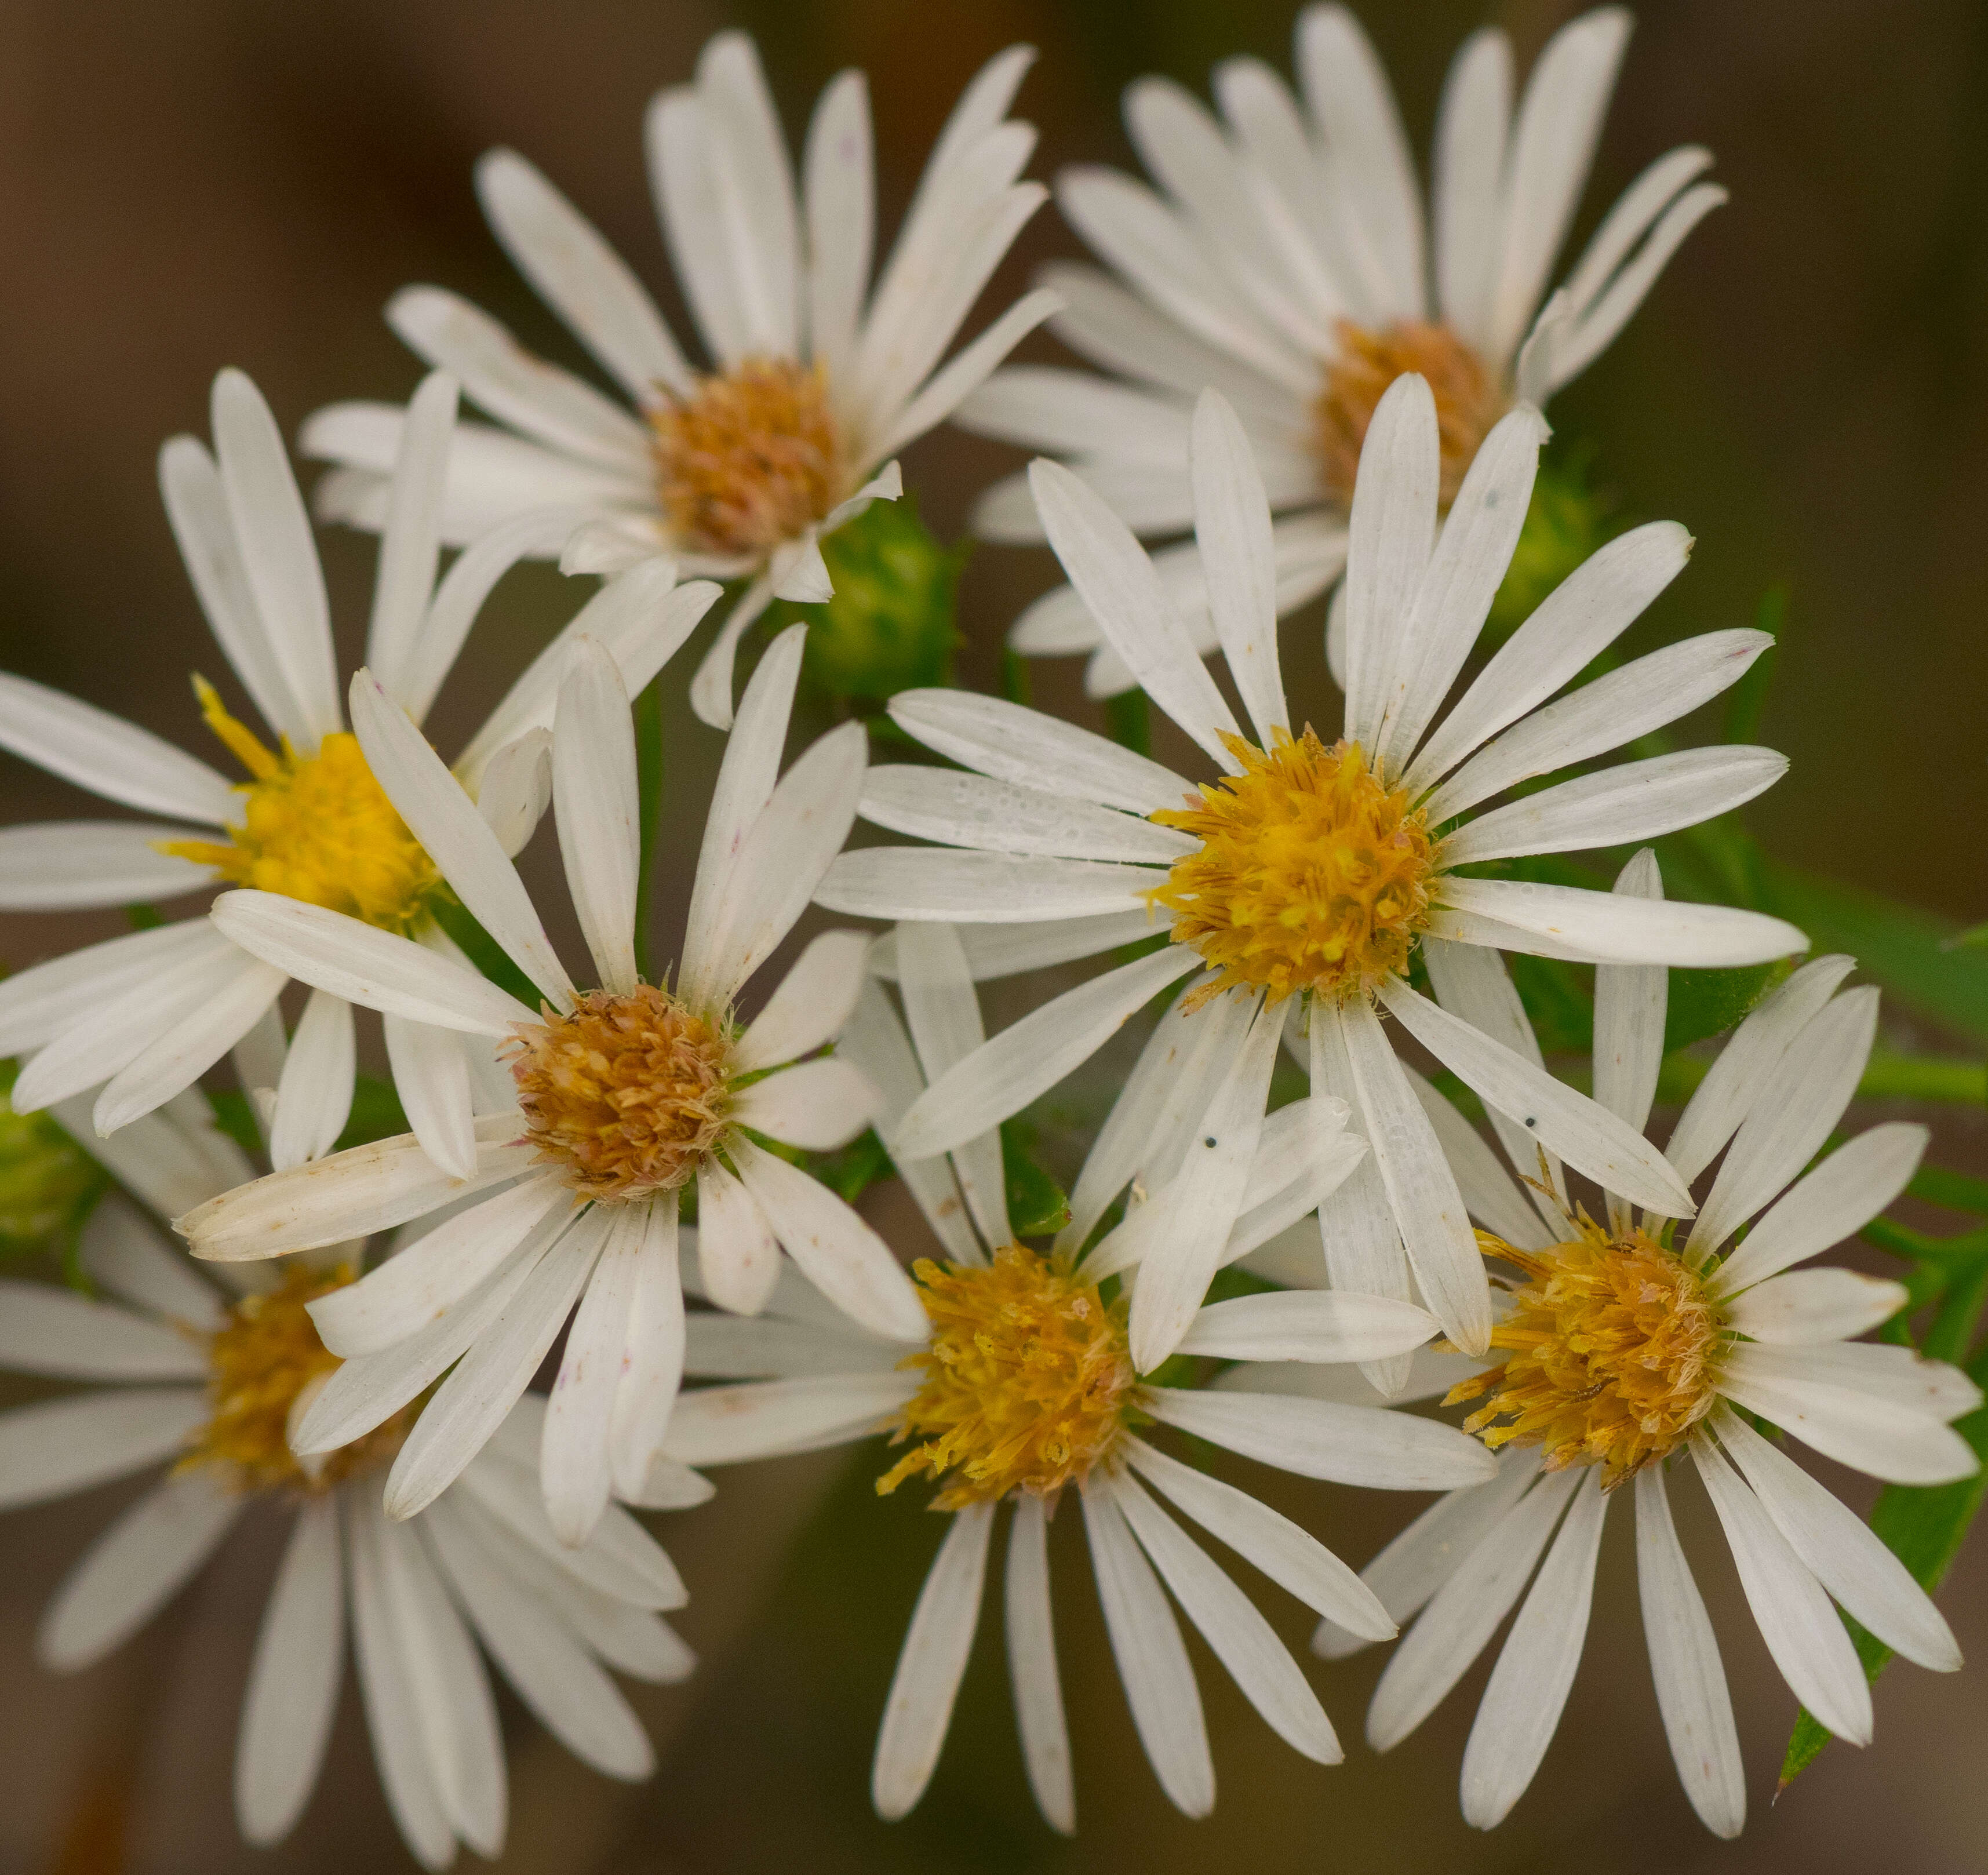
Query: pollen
1610	1353
627	1095
317	828
1311	875
1468	399
258	1364
750	458
1028	1380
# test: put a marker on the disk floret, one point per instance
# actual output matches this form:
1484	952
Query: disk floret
750	458
1312	875
627	1094
261	1361
1469	400
317	828
1027	1380
1611	1352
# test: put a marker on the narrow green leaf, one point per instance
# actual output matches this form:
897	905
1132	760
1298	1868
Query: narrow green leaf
1708	1002
482	949
1036	1203
1128	720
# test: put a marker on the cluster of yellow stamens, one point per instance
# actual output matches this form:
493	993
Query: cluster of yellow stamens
1026	1380
1311	875
1610	1353
258	1363
626	1095
752	458
1469	400
319	828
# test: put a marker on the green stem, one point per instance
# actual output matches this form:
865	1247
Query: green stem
649	793
1129	721
1887	1077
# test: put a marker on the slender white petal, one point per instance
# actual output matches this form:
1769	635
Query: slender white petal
598	807
1317	1438
575	1464
48	1330
1570	920
516	789
60	1446
314	1095
172	1061
1522	1705
839	188
724	1425
651	1362
994	816
108	756
431	1076
37	1004
1810	1645
293	1692
1232	528
931	1665
811	1005
1326	1325
1630	1002
737	1251
1032	1665
1488	1189
1815	1305
965	887
72	865
1469	162
411	538
1152	1659
1902	1443
122	1254
817	1105
1390	532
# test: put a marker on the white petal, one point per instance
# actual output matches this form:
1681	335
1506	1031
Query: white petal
413	1288
816	1105
1152	1659
431	1076
811	1005
1326	1325
931	1665
722	1425
1568	920
1810	1645
1787	1126
1111	571
444	819
352	1193
1243	1640
651	1365
71	865
173	1061
410	539
1815	1305
966	886
273	535
1032	1665
370	967
1488	1189
108	756
468	1406
292	1692
597	803
314	1095
575	1467
839	172
738	1254
994	816
1032	1056
836	1251
1289	1556
1588	1136
122	1253
1232	528
1521	1707
1902	1444
516	789
1013	743
1470	136
1428	1209
729	1347
1382	1450
786	851
1464	1613
711	688
1835	1201
966	372
135	1568
1630	1003
60	1446
48	1330
753	188
37	1004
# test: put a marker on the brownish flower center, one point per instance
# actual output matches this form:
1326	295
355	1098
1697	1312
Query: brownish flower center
1468	399
626	1095
1027	1378
750	459
1609	1357
1311	875
258	1363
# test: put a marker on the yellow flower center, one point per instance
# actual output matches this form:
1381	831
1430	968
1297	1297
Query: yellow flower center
1026	1380
1610	1353
625	1095
1469	400
1311	874
752	458
257	1364
318	828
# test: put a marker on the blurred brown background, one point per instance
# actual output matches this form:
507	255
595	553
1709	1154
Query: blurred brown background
212	183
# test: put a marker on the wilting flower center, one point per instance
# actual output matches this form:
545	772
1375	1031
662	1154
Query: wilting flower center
1468	399
1610	1353
1311	874
318	828
626	1095
749	459
258	1365
1026	1380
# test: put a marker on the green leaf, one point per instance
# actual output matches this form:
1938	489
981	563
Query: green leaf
1559	1000
1923	1526
236	1118
48	1182
1902	947
1036	1204
1707	1002
1128	720
851	1170
1567	519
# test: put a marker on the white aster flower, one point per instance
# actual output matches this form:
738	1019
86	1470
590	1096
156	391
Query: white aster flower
624	1094
815	381
146	1014
208	1383
1315	871
1283	259
1629	1340
1022	1383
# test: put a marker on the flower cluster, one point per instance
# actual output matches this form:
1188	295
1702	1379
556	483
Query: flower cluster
1283	1229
